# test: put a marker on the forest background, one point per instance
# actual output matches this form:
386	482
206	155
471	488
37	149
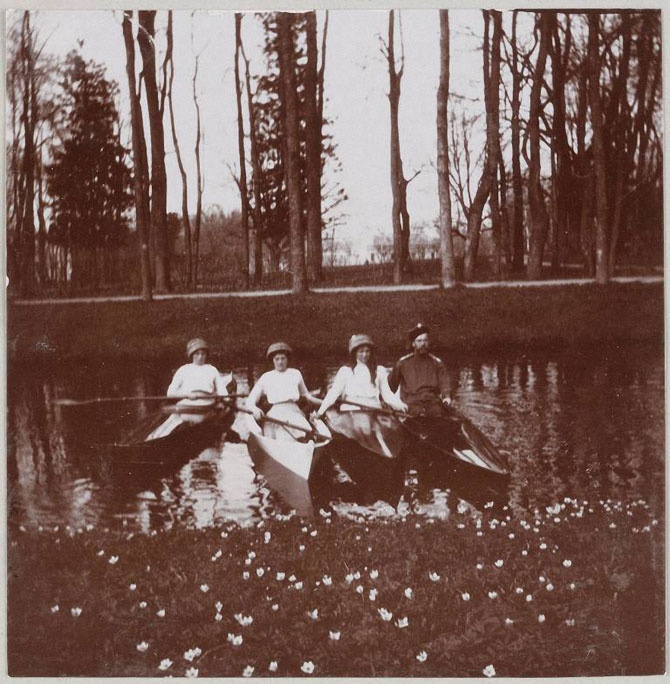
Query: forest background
374	147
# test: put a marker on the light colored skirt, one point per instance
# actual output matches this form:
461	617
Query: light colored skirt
288	412
380	434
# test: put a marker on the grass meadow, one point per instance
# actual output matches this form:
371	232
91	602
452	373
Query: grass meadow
568	590
239	329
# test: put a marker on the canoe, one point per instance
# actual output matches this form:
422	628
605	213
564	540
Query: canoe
451	443
175	437
297	457
368	447
288	466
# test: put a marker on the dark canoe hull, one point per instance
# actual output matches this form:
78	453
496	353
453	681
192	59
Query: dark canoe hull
176	443
370	457
451	448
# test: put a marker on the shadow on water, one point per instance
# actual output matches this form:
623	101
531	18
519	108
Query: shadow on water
582	425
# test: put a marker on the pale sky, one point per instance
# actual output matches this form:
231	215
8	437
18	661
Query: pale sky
356	85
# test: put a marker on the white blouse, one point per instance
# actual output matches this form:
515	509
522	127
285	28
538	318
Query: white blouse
278	387
193	378
356	384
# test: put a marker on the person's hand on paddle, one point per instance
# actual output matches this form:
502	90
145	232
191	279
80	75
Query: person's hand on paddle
198	394
399	405
257	413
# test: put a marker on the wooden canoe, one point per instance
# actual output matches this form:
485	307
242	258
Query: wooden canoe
162	438
451	443
369	451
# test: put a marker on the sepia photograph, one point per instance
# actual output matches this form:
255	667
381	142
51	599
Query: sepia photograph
335	342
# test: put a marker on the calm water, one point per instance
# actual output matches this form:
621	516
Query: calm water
580	424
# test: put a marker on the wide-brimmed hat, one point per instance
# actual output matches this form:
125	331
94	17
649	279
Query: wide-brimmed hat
194	345
356	341
276	348
418	329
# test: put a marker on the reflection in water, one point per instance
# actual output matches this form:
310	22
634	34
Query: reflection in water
587	425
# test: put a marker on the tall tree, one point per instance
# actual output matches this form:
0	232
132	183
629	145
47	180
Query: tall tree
616	116
559	51
448	268
313	122
256	174
140	164
88	180
244	197
146	39
599	160
286	53
185	219
399	212
518	240
493	153
270	139
539	221
199	179
487	181
26	240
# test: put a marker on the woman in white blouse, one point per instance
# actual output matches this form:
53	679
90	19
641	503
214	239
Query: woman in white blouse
282	388
364	382
198	382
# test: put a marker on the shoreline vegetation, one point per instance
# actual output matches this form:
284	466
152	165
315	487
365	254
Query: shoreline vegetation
502	593
319	324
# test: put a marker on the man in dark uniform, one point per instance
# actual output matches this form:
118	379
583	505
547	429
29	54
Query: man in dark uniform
422	377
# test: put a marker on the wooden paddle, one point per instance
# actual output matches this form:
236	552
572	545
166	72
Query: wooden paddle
318	437
101	400
372	409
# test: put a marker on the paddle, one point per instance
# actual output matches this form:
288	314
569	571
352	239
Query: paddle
101	400
317	436
372	409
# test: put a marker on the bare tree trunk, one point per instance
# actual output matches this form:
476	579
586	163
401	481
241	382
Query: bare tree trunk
313	154
493	138
620	115
399	214
322	71
538	212
256	175
146	40
186	221
42	271
599	161
448	266
27	242
585	176
518	241
487	183
140	182
292	168
240	146
561	148
644	113
199	181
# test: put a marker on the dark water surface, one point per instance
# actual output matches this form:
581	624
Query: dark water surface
581	424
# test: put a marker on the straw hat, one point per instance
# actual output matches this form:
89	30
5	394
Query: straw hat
276	348
195	345
357	341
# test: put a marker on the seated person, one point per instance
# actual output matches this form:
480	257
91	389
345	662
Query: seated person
421	377
282	388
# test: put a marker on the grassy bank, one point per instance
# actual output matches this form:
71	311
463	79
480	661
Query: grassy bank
466	596
317	324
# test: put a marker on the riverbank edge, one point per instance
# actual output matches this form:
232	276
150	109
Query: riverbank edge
319	324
